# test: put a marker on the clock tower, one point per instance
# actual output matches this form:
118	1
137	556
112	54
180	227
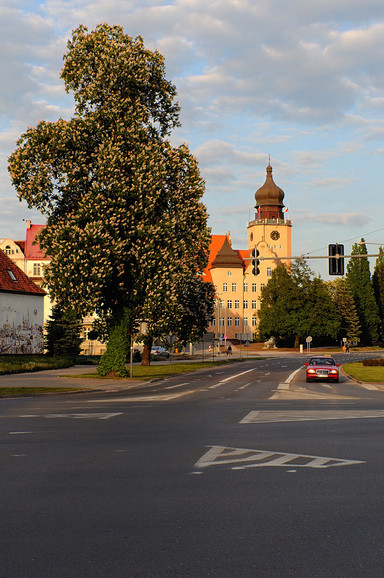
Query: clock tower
270	232
239	282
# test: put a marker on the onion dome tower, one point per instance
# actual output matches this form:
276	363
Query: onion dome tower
269	199
270	230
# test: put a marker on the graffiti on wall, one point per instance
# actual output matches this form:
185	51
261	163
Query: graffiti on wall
24	336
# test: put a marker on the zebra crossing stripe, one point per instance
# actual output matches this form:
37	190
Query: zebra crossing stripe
246	458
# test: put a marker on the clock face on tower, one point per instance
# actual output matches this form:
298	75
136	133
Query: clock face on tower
275	235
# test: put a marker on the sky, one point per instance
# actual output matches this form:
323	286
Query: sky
298	82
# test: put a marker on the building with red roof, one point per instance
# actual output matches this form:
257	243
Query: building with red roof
31	259
21	310
240	275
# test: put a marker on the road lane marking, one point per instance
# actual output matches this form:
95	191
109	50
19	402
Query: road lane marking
289	379
160	397
244	386
310	415
249	458
369	386
283	386
175	386
286	384
223	381
73	415
237	375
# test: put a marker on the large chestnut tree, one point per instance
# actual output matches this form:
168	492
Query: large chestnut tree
126	229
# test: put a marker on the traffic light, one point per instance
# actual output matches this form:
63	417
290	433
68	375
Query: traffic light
255	262
336	259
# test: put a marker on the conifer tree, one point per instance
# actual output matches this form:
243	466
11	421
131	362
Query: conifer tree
342	297
359	280
63	330
125	220
378	288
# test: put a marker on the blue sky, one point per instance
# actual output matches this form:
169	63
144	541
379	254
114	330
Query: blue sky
300	81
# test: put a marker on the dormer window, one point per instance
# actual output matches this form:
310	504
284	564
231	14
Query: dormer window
12	275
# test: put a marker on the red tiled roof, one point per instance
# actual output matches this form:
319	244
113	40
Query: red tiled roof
14	280
217	241
33	251
227	257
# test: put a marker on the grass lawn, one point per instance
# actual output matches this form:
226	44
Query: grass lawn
364	373
31	391
156	371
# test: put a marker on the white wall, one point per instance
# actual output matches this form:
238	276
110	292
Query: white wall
21	323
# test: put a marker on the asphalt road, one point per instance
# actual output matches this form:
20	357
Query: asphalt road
236	471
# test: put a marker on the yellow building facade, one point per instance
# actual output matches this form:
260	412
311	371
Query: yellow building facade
240	275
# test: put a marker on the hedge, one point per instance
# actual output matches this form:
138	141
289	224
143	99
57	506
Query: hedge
376	362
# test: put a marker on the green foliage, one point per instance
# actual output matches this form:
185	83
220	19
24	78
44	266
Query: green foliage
343	299
189	315
125	222
30	363
359	280
63	330
295	306
114	360
378	287
373	362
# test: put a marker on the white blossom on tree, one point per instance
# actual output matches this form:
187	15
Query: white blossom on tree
125	221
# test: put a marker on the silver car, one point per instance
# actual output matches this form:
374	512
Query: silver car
158	352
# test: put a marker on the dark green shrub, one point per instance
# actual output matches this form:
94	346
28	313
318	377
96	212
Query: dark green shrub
373	362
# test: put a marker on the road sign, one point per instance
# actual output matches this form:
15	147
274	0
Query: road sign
309	339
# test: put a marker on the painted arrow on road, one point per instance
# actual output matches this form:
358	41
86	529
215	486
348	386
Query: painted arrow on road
246	458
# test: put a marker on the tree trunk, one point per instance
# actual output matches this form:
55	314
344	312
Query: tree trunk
146	360
147	351
297	342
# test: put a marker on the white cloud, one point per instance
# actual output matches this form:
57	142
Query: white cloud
330	183
300	81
